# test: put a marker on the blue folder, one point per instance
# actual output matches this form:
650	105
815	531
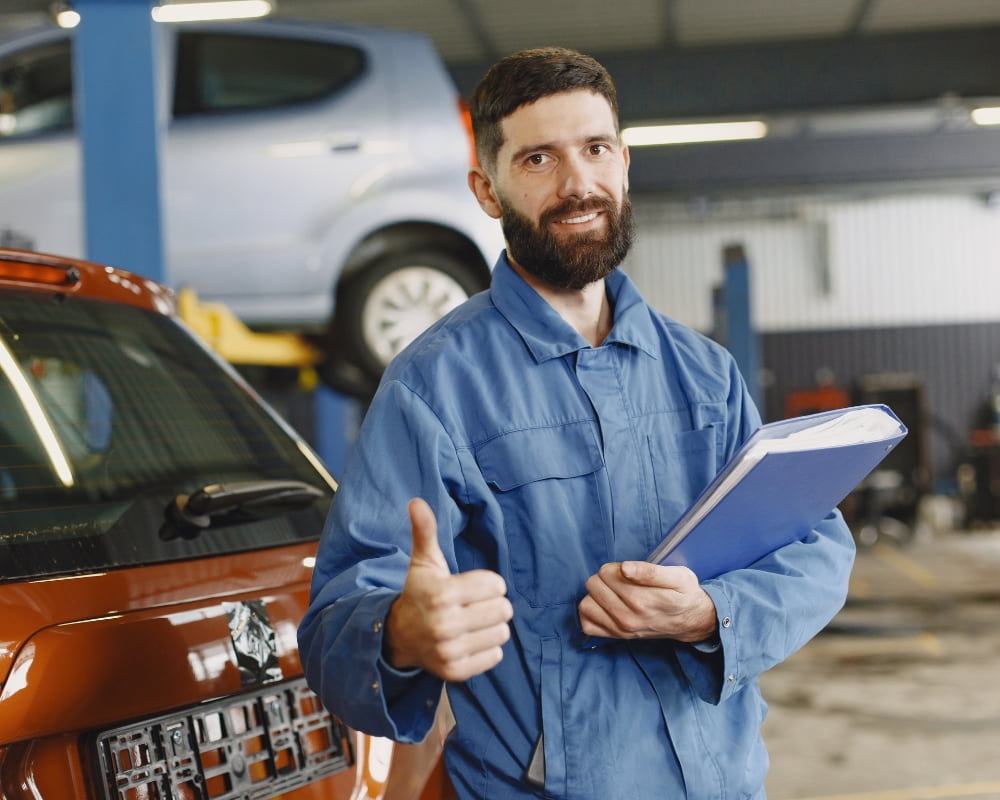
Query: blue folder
779	499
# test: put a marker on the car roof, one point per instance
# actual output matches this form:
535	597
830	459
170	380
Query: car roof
26	271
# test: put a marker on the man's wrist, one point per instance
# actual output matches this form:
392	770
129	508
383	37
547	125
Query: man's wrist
704	624
391	647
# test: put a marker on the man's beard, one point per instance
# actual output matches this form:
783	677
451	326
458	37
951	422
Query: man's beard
578	260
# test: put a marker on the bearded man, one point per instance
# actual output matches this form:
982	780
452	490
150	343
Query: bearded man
515	467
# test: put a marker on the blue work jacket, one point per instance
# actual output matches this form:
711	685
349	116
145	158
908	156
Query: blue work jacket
543	458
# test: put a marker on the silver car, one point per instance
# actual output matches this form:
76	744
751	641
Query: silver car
314	176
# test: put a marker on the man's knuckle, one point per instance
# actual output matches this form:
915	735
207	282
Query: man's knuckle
439	653
623	620
644	606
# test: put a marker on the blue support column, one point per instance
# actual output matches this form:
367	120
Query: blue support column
116	64
741	339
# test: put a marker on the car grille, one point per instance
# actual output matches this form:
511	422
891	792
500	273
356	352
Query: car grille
255	745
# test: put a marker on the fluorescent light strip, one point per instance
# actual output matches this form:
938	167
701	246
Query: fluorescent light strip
987	115
189	12
221	9
36	415
690	133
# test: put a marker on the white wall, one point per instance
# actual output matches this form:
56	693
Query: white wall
826	262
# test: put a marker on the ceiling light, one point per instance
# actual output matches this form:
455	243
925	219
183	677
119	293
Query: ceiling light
689	133
68	18
64	16
218	9
861	122
987	115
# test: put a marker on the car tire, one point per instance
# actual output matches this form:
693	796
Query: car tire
389	301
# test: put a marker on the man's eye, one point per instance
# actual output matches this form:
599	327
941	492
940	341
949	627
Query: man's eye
536	159
599	149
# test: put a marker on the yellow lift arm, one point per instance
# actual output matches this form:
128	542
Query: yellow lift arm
236	343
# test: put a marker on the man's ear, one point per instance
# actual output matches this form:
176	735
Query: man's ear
627	159
482	188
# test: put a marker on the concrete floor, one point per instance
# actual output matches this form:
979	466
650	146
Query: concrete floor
899	699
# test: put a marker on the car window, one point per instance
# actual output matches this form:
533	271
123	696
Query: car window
107	413
36	91
227	72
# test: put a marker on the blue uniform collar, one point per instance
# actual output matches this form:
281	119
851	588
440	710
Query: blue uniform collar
547	335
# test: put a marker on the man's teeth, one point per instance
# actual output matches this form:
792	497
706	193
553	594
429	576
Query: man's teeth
578	220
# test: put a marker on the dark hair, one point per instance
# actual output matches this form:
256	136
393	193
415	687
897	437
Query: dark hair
521	79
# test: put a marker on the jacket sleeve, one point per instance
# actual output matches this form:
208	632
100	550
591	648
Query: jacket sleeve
769	610
402	452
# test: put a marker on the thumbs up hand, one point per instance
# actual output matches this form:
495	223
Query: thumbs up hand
450	625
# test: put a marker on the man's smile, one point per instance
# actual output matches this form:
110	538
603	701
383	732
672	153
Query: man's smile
579	220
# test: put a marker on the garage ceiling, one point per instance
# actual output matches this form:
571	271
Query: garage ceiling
481	30
794	62
478	31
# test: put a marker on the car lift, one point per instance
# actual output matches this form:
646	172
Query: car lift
228	336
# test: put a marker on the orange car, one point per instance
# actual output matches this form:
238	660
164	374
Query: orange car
157	530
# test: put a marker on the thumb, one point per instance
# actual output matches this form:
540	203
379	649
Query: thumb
425	542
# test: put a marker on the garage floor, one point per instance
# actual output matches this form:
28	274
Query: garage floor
899	699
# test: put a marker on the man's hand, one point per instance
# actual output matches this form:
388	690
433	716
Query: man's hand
640	600
450	625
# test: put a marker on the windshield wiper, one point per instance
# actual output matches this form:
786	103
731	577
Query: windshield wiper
222	504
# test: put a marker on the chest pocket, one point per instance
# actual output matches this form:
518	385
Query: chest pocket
683	465
548	482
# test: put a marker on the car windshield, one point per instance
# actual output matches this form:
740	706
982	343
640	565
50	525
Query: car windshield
107	414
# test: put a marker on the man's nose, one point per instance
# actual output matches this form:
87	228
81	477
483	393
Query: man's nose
575	179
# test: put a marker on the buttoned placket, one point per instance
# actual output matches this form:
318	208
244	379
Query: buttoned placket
597	370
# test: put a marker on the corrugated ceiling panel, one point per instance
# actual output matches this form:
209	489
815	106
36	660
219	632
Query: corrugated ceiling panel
717	21
442	20
588	25
902	15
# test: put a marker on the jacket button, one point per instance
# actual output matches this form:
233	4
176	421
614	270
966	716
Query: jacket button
726	622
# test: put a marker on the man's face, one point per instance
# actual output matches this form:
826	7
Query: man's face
560	188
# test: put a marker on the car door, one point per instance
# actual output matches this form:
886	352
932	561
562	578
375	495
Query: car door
273	136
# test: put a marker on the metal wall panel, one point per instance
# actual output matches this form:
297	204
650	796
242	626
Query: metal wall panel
846	287
820	262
